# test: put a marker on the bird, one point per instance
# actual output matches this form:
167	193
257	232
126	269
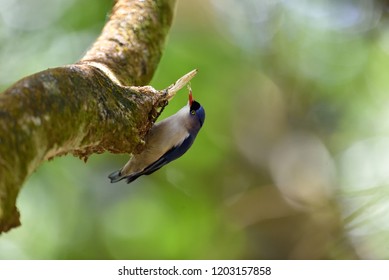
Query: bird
166	141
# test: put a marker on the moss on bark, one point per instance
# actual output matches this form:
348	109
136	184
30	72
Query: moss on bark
87	107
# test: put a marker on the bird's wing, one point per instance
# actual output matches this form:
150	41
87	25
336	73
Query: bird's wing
169	156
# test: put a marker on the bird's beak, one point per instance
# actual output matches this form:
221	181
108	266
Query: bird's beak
190	97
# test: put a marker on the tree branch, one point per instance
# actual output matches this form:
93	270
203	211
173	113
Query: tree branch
87	107
131	42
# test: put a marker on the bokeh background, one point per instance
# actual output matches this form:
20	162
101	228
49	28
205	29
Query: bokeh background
293	159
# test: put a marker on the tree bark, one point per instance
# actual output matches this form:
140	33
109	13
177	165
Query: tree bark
87	107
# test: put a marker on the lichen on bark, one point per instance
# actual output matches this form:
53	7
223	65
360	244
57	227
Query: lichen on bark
87	107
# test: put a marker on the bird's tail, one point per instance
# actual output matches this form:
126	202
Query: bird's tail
116	176
133	177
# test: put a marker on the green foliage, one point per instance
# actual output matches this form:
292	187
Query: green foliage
291	161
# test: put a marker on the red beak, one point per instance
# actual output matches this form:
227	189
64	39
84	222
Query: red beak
190	97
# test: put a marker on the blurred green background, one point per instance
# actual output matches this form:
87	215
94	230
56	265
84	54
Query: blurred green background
293	159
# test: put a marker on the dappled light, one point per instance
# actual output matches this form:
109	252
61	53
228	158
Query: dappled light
292	161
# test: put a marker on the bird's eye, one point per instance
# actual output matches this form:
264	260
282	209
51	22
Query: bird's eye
193	112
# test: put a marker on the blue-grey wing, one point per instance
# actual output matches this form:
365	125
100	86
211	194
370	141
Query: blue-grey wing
170	155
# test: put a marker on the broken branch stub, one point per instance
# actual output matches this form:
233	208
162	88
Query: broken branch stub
168	93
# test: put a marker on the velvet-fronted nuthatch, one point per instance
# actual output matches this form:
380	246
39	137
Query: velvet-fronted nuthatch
166	141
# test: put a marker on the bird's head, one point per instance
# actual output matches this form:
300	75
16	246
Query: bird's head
196	110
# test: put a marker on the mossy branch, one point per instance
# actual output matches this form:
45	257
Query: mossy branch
92	106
